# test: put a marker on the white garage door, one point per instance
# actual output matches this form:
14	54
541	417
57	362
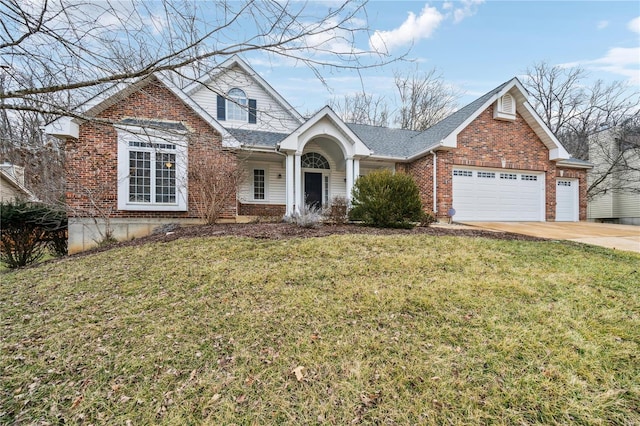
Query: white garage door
567	200
497	195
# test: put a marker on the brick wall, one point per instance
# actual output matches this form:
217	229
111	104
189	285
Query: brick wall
271	210
91	160
491	143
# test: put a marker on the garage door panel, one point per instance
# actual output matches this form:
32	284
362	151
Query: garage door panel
495	195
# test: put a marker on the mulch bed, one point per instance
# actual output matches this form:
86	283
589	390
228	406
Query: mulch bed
281	231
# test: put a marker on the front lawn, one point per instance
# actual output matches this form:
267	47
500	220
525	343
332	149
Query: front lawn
336	330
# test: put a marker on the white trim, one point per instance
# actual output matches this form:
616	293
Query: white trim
253	167
298	190
290	196
556	150
128	134
63	127
336	129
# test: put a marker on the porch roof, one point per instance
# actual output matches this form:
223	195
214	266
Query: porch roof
257	138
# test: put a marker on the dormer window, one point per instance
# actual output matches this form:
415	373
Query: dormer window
237	107
505	108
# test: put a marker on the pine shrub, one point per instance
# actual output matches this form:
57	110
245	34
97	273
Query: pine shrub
28	230
386	200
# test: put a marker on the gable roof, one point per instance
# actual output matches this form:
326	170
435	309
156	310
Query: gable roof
357	147
409	145
235	60
69	126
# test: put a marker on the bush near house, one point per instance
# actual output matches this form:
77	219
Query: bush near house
28	230
387	200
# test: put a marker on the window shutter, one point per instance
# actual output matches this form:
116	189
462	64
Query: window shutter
221	108
253	118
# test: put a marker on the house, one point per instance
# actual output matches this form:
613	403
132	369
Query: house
615	178
492	160
12	186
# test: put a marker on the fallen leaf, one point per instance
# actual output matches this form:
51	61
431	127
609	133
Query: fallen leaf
76	402
216	397
242	398
298	372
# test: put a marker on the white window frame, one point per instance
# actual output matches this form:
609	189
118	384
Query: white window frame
237	106
127	134
266	184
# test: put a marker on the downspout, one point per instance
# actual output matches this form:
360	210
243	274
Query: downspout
435	183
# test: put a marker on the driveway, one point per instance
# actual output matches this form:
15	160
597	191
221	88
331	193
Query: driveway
620	237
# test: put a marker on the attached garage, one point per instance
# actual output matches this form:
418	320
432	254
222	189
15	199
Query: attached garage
498	195
567	200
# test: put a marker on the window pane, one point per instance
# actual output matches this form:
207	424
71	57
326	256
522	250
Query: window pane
165	178
139	185
237	105
258	184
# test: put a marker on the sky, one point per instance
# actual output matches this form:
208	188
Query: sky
475	45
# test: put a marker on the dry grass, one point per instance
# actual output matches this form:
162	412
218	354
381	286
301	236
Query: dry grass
389	330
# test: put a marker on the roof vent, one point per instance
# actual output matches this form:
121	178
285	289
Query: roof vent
505	108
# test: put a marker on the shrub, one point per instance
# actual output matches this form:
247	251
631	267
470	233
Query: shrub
336	213
307	217
28	230
386	200
427	219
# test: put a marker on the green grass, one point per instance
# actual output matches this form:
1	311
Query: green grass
389	330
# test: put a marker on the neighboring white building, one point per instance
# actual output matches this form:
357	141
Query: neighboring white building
12	184
616	198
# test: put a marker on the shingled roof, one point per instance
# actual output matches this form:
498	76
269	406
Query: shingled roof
408	143
257	138
398	144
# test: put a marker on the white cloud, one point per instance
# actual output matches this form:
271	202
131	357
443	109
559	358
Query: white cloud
412	29
602	25
469	8
634	25
624	61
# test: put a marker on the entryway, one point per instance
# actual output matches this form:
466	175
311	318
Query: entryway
313	189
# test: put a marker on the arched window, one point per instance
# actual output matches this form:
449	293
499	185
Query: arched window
237	105
313	160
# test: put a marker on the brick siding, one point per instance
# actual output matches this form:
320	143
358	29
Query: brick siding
270	210
487	142
91	161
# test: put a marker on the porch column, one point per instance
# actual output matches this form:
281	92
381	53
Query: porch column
289	184
349	168
298	182
356	169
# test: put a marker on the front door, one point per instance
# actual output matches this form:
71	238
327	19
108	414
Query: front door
313	189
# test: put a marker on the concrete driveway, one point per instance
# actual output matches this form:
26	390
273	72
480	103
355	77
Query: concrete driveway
620	237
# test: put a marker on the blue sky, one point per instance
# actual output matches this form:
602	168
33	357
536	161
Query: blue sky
476	45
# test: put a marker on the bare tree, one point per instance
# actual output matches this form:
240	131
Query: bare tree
66	45
362	108
574	110
216	178
424	98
